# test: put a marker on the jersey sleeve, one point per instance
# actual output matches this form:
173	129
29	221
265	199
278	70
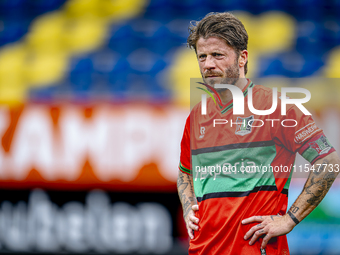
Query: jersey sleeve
305	137
184	164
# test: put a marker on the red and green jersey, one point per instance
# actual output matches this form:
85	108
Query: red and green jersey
242	166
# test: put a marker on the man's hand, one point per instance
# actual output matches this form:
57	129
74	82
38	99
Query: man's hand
270	226
191	221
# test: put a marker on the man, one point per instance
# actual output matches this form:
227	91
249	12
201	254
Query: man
237	212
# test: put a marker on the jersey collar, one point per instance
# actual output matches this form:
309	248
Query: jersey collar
229	106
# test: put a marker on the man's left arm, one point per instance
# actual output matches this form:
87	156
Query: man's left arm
316	187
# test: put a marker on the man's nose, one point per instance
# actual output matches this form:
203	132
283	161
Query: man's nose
209	63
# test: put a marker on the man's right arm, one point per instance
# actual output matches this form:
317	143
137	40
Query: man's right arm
189	204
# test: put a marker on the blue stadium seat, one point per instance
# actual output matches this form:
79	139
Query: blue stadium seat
161	41
121	39
117	73
259	6
145	70
41	6
145	33
309	38
269	66
81	69
312	65
11	5
143	61
179	31
228	5
305	9
13	30
290	64
189	9
330	33
159	10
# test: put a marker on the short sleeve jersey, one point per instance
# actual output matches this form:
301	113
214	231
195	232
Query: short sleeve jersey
241	166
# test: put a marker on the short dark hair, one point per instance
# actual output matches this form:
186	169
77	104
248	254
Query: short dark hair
224	25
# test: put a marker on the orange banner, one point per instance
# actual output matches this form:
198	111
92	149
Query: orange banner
113	147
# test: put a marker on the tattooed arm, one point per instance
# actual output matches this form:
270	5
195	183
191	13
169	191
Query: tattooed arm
187	196
316	187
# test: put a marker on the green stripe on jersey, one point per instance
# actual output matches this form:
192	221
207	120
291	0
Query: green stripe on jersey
225	171
186	170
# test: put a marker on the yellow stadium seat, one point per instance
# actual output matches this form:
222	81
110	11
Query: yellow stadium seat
331	69
46	32
45	68
12	64
84	34
121	9
81	8
185	67
275	32
12	93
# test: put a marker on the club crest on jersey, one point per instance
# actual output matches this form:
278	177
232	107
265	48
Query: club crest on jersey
321	145
243	126
202	131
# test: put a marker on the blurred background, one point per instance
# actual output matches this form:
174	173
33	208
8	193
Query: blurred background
93	99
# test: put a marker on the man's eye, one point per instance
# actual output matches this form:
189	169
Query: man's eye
217	54
202	56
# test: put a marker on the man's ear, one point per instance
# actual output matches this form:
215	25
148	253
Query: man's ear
242	60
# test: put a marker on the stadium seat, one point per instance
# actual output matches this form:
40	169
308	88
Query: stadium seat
42	6
312	65
151	35
12	30
270	66
183	69
179	31
11	5
260	6
119	71
82	8
141	61
330	33
84	34
45	68
81	69
159	10
198	9
12	65
144	31
46	32
115	11
332	67
228	5
121	39
305	9
309	38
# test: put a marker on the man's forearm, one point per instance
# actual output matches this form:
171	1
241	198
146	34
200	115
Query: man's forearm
316	187
186	192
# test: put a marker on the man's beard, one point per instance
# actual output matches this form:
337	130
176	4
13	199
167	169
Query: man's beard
232	75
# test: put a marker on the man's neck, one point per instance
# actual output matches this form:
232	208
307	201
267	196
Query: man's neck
226	95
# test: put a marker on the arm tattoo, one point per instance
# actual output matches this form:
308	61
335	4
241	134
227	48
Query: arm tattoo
322	167
294	209
319	186
182	186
